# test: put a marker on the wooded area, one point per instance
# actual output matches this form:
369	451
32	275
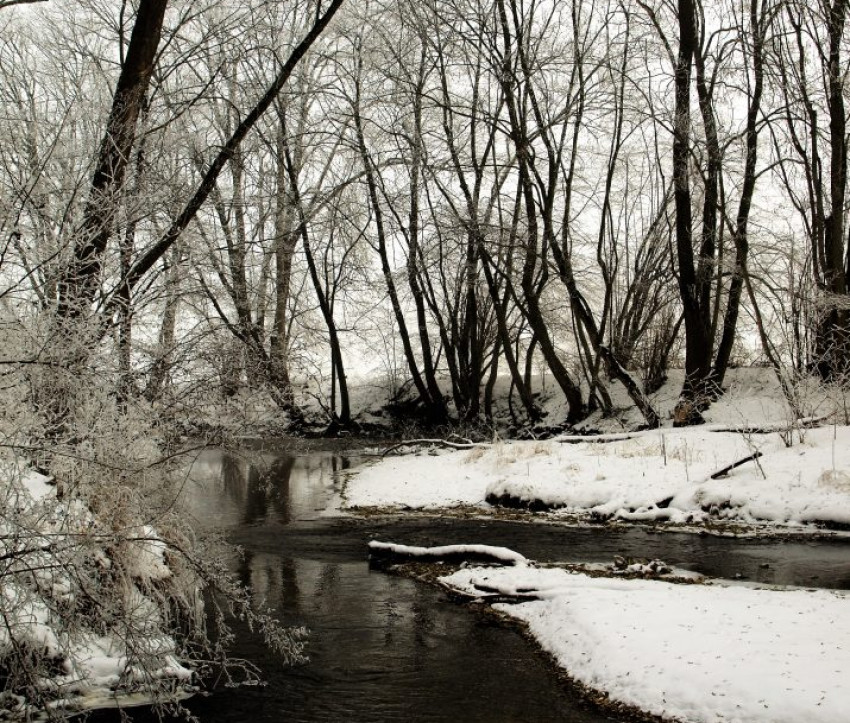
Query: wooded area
261	194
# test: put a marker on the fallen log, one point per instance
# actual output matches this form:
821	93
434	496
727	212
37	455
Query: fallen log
596	438
382	554
770	428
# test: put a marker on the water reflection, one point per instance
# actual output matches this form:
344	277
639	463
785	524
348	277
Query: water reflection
229	490
385	649
381	648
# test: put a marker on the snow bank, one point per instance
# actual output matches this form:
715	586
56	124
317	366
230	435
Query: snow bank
420	481
691	652
656	475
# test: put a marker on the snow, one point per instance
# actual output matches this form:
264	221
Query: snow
416	481
147	559
37	485
683	650
503	554
659	475
691	652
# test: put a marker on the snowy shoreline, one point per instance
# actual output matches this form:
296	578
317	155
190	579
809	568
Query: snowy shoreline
659	644
695	653
652	649
788	483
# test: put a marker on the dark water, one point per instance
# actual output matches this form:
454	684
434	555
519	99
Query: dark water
386	649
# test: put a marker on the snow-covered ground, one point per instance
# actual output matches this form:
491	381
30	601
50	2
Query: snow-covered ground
658	475
802	476
696	653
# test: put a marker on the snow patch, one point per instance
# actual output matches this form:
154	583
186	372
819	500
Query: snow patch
659	475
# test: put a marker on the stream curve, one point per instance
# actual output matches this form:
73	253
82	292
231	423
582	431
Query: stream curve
383	648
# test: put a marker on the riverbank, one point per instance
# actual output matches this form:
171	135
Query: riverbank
788	481
650	642
383	648
654	649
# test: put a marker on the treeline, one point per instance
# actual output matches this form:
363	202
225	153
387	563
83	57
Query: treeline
451	190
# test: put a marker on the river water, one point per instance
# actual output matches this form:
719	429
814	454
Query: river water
383	648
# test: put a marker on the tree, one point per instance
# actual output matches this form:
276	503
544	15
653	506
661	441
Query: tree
809	70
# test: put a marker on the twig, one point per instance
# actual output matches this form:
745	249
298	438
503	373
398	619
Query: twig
728	468
596	438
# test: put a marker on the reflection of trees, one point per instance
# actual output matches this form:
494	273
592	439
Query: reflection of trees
254	491
244	567
271	489
276	482
232	479
242	484
290	593
340	464
256	497
328	588
279	489
424	624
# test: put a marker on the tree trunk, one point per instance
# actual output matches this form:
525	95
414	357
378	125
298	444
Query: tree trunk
835	323
740	234
532	309
285	241
435	410
697	342
78	284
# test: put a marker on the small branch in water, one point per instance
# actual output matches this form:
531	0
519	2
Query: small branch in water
493	595
488	596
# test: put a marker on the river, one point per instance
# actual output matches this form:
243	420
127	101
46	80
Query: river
383	648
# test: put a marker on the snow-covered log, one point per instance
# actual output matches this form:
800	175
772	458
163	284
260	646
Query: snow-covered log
385	553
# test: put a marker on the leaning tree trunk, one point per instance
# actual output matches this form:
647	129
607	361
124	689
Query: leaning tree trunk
78	284
344	417
74	332
144	264
741	234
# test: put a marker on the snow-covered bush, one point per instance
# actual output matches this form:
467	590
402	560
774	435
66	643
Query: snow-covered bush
107	595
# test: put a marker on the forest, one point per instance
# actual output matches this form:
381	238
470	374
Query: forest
256	195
